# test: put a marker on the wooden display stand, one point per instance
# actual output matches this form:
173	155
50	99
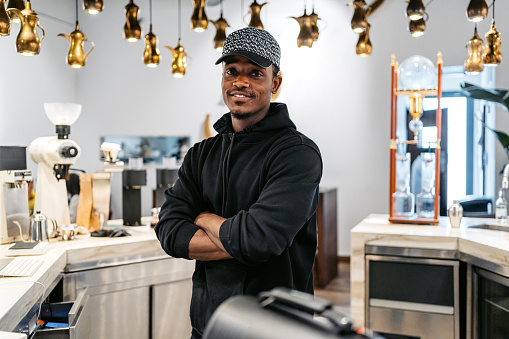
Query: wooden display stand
394	141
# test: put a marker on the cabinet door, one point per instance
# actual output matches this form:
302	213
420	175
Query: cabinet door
170	310
120	314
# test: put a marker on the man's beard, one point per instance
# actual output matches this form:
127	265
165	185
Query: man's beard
242	116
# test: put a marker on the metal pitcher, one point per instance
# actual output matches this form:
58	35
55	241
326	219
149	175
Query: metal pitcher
38	227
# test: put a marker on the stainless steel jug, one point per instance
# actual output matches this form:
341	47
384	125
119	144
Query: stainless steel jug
38	227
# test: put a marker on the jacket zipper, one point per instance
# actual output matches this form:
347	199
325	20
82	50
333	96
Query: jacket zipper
226	167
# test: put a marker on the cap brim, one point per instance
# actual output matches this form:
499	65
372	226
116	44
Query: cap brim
255	58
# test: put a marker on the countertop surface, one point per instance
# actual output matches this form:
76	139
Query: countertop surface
489	246
19	294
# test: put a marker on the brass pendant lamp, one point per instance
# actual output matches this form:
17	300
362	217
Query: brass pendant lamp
76	56
5	20
151	53
359	23
305	38
364	47
477	10
179	64
415	10
255	10
27	41
492	55
314	24
220	25
132	28
474	63
19	4
199	21
93	7
417	27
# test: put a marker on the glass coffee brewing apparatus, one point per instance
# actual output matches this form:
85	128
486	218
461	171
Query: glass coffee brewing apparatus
417	79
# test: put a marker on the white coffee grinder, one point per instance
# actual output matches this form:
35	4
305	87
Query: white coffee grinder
54	155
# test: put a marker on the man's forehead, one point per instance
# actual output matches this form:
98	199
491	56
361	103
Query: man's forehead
237	59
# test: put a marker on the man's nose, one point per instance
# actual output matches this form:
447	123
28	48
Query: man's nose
241	81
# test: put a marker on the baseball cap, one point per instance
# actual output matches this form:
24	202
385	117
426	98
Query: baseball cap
257	45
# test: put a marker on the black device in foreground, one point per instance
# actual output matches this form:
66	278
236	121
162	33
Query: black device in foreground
132	180
279	313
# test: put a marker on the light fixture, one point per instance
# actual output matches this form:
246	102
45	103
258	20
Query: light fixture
359	23
364	47
474	63
254	10
199	21
76	57
314	24
492	55
415	9
179	64
132	29
27	41
19	4
151	53
221	25
477	10
5	20
93	7
417	27
305	38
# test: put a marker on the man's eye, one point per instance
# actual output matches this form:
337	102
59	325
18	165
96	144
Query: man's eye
256	73
230	71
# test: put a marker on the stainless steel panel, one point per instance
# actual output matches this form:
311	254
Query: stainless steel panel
411	323
412	252
488	265
80	318
170	310
410	306
123	260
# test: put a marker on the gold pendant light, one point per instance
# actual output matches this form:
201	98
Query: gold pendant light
76	57
477	10
305	38
417	27
358	23
314	24
255	10
474	63
220	25
93	7
19	4
364	47
179	64
415	10
492	55
27	41
151	53
199	21
5	20
132	29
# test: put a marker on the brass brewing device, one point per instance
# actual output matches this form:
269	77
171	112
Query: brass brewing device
132	29
305	38
254	10
76	57
220	36
179	64
151	54
27	42
199	21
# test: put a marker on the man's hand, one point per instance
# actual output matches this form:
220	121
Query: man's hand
211	223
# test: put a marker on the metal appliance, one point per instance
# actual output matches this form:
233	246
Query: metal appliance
53	156
14	213
132	181
165	178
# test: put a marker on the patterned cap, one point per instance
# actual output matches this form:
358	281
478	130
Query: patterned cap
257	45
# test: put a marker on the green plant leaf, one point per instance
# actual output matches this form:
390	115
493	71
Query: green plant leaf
498	96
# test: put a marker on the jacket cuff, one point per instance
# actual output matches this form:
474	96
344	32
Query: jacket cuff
184	237
224	235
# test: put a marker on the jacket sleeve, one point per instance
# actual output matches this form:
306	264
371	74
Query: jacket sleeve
287	202
182	204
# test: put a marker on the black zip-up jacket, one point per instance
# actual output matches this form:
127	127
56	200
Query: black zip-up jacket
264	180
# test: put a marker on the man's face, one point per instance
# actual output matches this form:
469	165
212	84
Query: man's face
247	88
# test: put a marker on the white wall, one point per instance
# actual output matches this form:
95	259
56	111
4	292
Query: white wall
335	97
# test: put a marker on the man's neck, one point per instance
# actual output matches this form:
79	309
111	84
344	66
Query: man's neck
240	124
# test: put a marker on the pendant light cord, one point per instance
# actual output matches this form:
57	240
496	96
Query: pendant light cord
76	12
179	22
493	11
150	11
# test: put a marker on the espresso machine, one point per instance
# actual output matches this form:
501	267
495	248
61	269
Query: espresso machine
14	213
132	181
53	156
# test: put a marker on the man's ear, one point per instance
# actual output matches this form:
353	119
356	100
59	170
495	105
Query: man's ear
276	83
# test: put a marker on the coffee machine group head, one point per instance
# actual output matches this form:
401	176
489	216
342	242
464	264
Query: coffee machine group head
14	212
54	155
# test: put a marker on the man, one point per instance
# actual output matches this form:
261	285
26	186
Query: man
244	205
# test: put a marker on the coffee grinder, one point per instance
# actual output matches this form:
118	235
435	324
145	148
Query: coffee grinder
53	156
132	181
165	178
14	213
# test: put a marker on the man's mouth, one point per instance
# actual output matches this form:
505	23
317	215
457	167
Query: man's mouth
240	95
